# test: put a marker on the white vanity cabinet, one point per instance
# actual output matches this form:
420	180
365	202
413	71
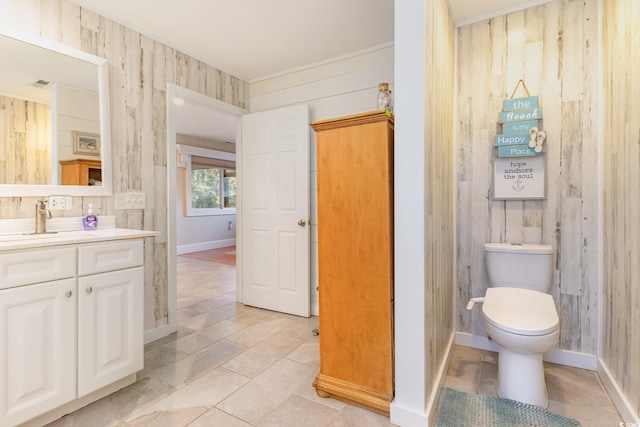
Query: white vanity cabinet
65	341
38	361
110	323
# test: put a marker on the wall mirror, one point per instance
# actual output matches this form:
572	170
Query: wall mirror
55	133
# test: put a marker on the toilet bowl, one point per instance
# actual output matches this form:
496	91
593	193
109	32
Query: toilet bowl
524	323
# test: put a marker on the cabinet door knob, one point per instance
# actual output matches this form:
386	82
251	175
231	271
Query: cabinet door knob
68	294
302	223
89	289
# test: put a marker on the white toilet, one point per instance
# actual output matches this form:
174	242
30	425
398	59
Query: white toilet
520	316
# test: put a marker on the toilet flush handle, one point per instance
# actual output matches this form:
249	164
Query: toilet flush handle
472	301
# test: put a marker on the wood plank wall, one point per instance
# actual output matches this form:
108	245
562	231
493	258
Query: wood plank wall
25	141
139	69
621	201
439	185
554	47
334	88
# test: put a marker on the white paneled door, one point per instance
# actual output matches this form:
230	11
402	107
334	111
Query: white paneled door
275	210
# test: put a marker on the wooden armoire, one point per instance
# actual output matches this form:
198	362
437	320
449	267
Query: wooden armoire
355	258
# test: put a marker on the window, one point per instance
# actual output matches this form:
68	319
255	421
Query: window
210	181
213	188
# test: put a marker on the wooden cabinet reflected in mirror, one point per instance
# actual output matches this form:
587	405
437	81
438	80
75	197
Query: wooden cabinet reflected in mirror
81	172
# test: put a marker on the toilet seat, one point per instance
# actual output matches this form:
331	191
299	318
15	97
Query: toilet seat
520	311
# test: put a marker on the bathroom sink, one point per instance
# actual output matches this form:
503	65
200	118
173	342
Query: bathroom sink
29	239
51	235
24	236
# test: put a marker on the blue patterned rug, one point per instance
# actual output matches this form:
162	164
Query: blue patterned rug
459	409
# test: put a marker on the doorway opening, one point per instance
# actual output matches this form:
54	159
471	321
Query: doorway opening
188	112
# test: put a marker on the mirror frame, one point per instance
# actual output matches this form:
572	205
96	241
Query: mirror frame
26	190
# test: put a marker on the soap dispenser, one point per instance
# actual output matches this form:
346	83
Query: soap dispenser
90	221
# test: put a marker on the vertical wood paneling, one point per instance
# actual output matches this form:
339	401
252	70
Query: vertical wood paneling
553	47
139	70
438	198
621	201
25	140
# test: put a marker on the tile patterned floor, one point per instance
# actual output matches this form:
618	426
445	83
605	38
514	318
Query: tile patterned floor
228	366
235	366
573	392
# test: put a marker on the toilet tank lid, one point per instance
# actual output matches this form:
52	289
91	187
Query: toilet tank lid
518	248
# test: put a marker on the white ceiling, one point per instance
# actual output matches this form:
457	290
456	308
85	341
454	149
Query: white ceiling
252	39
197	120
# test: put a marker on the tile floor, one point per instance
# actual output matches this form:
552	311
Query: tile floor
573	392
227	366
231	366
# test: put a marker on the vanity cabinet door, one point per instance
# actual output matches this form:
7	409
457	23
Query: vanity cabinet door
38	342
110	327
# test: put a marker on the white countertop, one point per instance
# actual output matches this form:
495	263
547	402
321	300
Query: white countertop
30	241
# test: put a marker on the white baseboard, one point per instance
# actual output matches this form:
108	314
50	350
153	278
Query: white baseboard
616	394
434	399
572	358
159	332
204	246
409	417
561	357
475	341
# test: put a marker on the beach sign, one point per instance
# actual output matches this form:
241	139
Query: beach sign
521	135
519	169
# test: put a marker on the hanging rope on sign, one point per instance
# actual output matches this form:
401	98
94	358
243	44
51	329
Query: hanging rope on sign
524	85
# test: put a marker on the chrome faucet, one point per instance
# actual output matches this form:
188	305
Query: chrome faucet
42	214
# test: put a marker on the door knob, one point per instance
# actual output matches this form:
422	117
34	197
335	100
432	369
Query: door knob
89	289
68	294
302	223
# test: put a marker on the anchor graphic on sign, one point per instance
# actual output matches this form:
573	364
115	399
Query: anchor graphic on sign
519	186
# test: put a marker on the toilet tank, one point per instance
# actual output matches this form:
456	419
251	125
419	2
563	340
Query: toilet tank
519	266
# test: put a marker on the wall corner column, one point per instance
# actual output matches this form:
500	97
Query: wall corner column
409	405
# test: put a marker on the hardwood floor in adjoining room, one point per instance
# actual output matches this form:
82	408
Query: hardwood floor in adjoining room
226	255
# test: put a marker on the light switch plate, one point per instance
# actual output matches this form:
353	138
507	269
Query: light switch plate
59	202
130	200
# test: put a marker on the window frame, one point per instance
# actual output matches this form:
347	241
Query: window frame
184	155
